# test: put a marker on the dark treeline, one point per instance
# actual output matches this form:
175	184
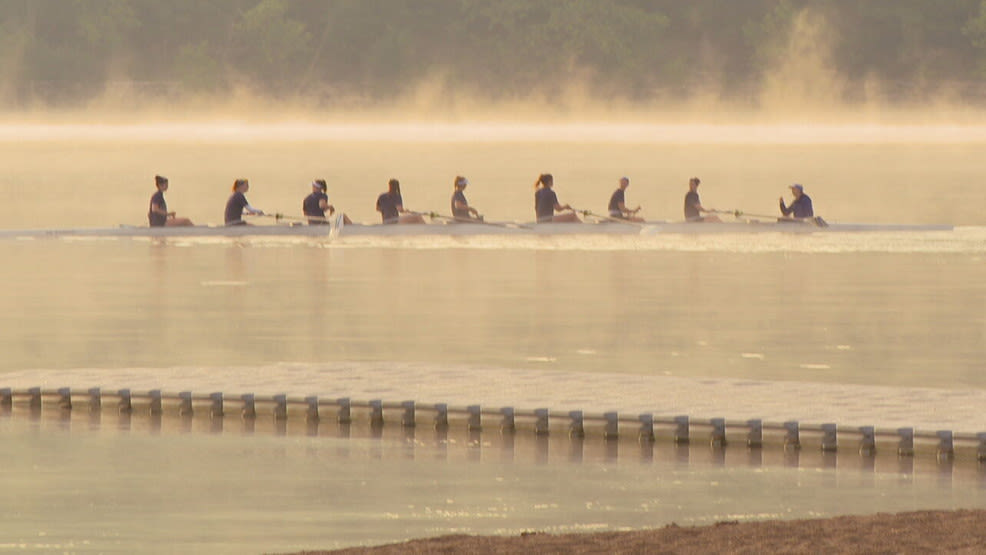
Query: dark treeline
333	52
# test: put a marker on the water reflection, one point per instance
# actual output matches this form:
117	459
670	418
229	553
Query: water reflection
864	319
391	482
452	443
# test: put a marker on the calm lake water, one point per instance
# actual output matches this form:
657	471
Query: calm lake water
902	309
180	486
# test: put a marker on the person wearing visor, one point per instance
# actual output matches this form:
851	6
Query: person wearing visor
461	210
801	206
237	204
315	205
617	204
157	213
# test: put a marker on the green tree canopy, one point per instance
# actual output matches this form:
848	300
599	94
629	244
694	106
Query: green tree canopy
60	52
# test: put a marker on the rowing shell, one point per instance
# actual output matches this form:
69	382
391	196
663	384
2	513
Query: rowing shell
463	229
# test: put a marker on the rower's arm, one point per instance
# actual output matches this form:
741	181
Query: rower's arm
459	205
158	209
784	209
623	208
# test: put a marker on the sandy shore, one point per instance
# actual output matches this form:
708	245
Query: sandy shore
962	531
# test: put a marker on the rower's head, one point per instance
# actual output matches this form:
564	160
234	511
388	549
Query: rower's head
460	182
797	189
693	183
624	182
544	180
394	186
241	185
161	182
320	185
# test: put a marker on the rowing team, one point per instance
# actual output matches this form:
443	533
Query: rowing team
391	205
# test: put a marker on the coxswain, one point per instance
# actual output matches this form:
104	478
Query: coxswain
546	203
801	206
237	204
617	204
157	213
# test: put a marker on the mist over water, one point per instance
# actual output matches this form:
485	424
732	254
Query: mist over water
854	173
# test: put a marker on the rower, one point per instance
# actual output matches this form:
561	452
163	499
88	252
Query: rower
315	205
391	206
546	203
693	206
237	204
461	210
157	213
617	204
801	206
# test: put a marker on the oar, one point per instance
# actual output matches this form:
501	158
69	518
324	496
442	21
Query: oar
275	217
479	221
280	216
334	227
335	223
591	214
261	215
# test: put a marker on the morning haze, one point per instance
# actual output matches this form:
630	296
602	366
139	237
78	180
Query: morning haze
461	57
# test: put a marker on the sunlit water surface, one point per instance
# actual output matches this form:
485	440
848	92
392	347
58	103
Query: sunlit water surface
185	486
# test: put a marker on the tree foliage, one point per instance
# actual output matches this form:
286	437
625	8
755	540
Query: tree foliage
67	51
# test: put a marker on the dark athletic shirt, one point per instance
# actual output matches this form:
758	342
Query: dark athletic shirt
691	213
312	204
234	208
800	208
387	206
155	219
459	212
544	204
619	196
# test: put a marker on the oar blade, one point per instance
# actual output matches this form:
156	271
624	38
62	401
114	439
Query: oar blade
336	225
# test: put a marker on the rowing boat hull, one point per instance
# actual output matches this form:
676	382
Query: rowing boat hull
464	229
